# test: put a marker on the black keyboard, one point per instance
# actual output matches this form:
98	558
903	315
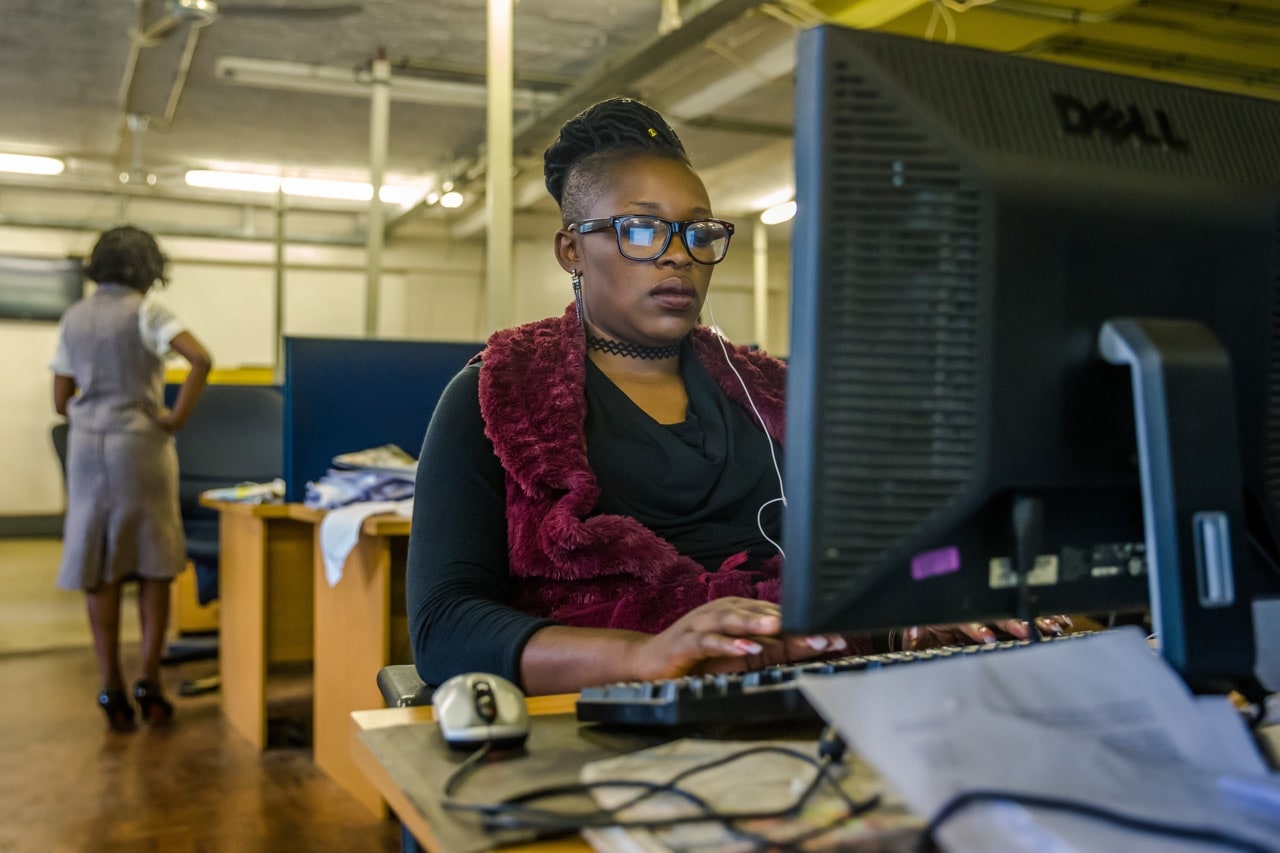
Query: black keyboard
770	695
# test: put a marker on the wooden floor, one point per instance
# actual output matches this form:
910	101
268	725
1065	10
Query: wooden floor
67	783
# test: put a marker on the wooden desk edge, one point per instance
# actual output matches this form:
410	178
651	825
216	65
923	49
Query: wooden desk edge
263	510
399	801
382	524
386	524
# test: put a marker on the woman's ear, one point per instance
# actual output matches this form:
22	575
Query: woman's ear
567	254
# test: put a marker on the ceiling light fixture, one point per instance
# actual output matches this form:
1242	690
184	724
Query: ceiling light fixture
451	199
27	164
199	12
308	187
330	80
196	13
779	213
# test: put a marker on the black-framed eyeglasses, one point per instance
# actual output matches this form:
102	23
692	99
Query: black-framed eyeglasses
645	238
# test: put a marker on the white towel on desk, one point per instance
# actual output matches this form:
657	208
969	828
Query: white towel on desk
340	530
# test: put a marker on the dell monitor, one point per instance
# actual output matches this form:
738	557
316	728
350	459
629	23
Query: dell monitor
1034	363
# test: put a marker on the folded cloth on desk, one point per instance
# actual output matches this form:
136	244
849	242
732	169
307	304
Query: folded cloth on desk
388	458
1100	721
340	530
339	488
247	493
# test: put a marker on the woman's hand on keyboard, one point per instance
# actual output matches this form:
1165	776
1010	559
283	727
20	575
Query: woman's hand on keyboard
726	635
967	633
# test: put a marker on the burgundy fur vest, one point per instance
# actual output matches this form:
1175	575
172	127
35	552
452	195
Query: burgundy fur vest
605	571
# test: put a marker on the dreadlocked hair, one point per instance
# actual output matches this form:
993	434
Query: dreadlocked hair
575	163
129	256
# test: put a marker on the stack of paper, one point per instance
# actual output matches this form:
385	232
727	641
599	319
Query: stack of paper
1099	721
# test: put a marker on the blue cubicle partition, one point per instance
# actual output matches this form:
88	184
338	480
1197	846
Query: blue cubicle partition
343	395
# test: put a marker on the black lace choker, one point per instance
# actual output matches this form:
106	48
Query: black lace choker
628	350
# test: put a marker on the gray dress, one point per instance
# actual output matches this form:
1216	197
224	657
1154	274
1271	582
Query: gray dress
122	516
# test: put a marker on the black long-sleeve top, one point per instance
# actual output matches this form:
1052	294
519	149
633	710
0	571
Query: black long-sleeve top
698	484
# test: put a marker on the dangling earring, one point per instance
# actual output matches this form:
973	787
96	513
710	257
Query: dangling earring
576	281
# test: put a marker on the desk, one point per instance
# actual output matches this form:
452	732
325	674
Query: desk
264	586
360	627
401	751
381	776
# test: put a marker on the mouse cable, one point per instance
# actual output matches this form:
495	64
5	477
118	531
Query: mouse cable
519	802
1189	833
466	768
515	813
544	823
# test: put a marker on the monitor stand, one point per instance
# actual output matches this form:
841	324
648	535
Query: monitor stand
1192	495
1266	630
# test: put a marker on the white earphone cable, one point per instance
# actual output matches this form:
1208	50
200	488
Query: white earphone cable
777	469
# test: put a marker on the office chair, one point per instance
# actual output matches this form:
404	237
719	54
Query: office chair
235	435
401	687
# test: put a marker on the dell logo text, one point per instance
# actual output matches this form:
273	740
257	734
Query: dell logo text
1119	124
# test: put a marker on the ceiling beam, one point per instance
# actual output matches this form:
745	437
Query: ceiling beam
701	21
705	20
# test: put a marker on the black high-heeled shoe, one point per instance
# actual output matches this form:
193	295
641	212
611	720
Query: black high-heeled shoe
150	697
115	704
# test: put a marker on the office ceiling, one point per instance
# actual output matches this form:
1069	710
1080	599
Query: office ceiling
133	93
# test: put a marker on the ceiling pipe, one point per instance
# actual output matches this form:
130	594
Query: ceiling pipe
65	186
379	129
196	14
168	229
355	83
499	250
180	79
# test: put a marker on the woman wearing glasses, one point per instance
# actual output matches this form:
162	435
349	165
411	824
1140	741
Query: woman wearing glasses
597	497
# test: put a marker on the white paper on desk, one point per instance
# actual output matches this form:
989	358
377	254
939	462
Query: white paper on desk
1098	719
340	530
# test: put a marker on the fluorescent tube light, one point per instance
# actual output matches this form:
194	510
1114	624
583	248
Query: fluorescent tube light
237	181
779	213
773	199
401	195
320	188
308	187
26	164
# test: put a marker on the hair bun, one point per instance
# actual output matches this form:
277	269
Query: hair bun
616	123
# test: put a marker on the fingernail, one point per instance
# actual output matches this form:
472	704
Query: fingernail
839	644
747	646
988	636
816	643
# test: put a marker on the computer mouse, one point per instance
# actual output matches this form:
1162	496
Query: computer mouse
476	708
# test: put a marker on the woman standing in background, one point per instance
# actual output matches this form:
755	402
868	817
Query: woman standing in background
122	519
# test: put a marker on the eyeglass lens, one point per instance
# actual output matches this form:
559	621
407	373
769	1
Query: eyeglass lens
644	238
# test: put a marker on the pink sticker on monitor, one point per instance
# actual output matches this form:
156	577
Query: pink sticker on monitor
942	561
